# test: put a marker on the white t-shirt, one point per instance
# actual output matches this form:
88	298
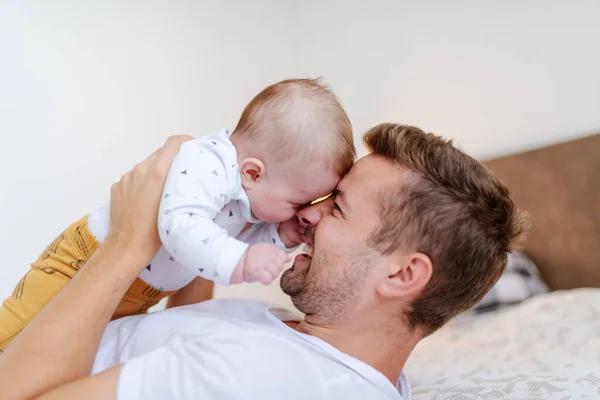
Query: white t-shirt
233	349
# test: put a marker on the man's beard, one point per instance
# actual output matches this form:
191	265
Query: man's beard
304	291
294	281
324	297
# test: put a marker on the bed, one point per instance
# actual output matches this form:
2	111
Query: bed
548	346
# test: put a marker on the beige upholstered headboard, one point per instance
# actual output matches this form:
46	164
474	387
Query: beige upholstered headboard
560	186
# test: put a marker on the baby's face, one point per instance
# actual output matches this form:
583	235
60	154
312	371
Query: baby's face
278	198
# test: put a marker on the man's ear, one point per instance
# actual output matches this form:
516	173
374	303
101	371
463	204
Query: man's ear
406	275
252	170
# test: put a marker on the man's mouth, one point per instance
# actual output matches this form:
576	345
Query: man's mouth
309	239
309	248
301	263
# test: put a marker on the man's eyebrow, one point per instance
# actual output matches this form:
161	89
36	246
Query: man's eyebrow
340	196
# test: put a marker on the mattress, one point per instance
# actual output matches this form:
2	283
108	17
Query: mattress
545	348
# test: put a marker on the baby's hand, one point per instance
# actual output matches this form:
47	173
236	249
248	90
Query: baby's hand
263	262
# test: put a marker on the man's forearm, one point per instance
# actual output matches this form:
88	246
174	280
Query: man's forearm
61	342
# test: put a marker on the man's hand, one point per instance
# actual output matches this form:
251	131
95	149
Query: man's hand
135	200
262	263
290	232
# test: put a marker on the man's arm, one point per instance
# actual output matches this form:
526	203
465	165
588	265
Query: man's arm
102	386
34	363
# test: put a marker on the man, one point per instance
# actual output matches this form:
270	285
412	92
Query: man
416	233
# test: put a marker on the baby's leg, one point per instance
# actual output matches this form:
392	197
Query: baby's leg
48	275
56	266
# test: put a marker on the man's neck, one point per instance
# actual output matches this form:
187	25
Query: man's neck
385	348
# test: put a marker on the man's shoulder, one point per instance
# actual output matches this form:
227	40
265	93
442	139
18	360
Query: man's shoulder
243	309
249	343
227	305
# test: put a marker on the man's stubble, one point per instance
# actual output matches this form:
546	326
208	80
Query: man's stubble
326	295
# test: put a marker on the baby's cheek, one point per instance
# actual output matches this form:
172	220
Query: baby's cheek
279	215
272	212
290	211
285	214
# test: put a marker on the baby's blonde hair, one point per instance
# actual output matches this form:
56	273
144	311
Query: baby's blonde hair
298	119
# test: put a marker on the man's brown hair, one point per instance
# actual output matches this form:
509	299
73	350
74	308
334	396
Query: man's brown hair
450	208
298	119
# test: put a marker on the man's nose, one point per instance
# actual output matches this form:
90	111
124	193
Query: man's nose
312	214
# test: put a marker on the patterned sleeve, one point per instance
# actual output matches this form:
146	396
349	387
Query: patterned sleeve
264	233
196	190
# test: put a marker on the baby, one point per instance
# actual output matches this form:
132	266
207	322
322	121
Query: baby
292	145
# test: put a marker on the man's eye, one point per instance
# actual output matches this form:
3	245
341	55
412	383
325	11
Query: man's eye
335	206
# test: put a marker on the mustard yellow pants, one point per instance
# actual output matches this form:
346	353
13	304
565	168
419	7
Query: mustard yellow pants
53	269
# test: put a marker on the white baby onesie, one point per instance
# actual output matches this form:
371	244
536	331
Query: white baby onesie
202	212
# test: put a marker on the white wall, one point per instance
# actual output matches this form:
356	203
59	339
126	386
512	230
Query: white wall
89	88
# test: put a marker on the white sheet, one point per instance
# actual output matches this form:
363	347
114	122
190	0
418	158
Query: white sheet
546	348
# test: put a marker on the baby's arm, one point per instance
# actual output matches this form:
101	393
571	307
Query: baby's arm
196	190
266	233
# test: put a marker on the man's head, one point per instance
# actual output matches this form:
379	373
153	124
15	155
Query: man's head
419	230
294	143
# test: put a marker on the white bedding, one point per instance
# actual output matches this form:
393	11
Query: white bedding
545	348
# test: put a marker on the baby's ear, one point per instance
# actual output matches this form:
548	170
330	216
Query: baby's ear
252	170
